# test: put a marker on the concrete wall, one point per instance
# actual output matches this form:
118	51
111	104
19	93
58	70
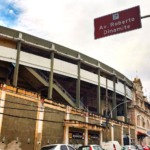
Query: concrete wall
117	133
16	128
77	117
53	131
27	122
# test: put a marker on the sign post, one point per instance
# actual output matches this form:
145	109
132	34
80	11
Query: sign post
118	22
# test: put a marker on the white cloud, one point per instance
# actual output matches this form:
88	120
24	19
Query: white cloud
2	23
11	12
70	23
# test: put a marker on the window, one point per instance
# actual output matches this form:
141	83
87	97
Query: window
63	147
143	122
148	124
70	148
48	148
97	148
84	148
138	120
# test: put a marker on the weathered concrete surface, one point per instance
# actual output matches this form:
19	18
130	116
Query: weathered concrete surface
13	127
14	145
2	146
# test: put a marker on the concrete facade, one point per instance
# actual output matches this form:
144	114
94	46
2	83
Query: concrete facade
141	114
53	94
60	124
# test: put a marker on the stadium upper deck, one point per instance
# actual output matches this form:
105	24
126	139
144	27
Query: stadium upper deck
60	73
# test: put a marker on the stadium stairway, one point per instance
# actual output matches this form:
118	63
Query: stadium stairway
45	81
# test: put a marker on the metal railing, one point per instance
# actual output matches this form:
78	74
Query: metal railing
56	83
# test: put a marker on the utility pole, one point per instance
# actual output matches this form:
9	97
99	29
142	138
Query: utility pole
106	98
106	113
108	116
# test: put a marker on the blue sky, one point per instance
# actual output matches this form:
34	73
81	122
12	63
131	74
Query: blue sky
71	24
9	13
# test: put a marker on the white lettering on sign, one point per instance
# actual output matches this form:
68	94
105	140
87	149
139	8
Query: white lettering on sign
117	26
118	23
102	27
119	29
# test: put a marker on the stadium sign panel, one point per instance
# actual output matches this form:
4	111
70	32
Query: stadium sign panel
118	22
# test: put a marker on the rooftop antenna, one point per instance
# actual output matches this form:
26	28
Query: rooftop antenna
148	96
145	92
136	74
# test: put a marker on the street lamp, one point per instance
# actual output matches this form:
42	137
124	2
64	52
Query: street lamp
107	116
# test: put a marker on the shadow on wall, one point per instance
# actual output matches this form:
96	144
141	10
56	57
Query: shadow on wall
14	145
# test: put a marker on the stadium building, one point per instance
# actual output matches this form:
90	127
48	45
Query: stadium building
53	94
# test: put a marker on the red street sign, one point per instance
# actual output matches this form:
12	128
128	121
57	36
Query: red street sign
118	22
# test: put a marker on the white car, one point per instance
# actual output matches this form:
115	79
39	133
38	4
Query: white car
129	147
90	147
57	147
111	145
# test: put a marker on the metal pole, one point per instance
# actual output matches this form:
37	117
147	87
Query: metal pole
107	121
98	93
114	114
145	16
107	118
106	98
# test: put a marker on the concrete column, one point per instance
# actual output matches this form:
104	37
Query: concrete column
2	105
78	84
112	132
66	135
129	135
16	70
39	124
114	98
87	117
86	130
67	113
100	138
86	137
106	103
50	89
98	93
122	135
66	128
125	104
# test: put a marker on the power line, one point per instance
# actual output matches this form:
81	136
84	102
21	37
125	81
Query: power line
22	117
44	120
27	109
45	110
26	105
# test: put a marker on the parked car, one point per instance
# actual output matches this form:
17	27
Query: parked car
129	147
139	147
90	147
146	147
111	145
57	147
